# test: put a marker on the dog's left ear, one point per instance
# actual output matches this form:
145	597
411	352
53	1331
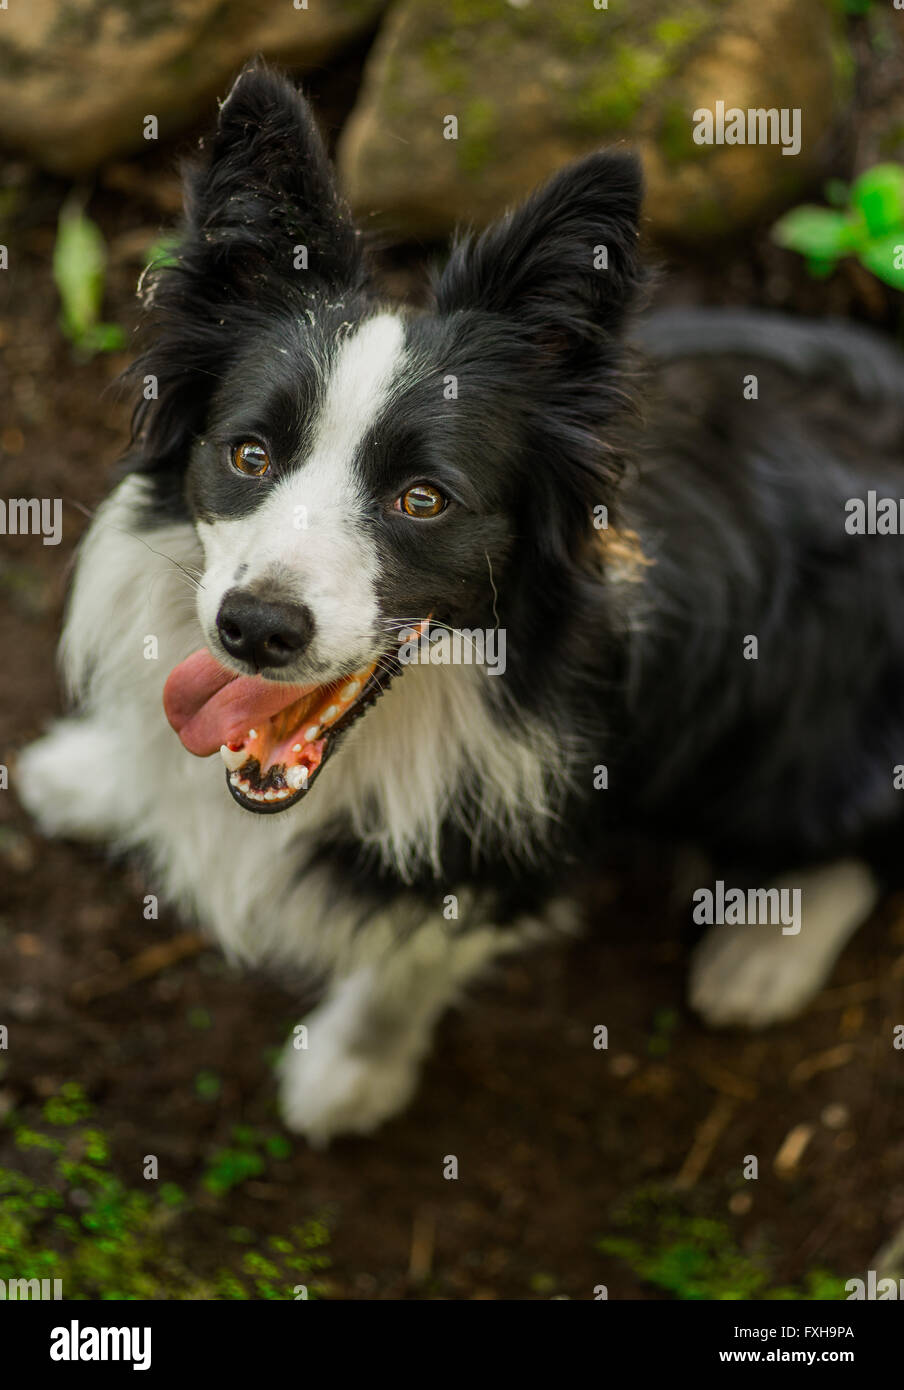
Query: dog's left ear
564	264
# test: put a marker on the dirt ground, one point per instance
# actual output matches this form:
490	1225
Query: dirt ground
551	1134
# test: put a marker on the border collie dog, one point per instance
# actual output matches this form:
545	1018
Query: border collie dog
325	489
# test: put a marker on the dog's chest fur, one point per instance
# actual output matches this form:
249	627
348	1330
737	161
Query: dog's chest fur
432	752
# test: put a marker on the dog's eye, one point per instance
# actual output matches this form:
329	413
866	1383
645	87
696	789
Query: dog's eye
422	501
251	458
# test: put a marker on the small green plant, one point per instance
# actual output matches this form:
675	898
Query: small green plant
246	1158
79	271
696	1257
68	1107
867	222
208	1085
72	1218
665	1024
163	254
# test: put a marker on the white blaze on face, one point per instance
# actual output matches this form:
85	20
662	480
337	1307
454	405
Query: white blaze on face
309	539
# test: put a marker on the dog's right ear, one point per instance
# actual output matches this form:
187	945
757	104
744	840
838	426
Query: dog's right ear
263	200
264	228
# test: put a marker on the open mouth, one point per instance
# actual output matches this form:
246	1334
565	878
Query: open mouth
274	739
271	767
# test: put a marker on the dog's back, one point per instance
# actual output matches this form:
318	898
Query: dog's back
763	435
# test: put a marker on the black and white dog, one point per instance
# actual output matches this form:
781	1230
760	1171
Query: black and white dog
654	516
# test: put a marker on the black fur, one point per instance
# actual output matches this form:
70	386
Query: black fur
565	407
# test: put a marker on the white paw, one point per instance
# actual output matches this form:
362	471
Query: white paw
64	781
326	1090
751	976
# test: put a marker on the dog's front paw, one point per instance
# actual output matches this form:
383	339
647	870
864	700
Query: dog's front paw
66	781
326	1090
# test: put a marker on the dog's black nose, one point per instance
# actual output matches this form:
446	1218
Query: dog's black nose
261	632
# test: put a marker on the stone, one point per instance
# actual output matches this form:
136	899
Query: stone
79	77
534	85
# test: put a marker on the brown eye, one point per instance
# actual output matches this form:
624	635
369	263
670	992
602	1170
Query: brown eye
251	458
422	501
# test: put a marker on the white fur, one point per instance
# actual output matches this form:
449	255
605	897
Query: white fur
430	748
365	1043
117	772
329	562
753	975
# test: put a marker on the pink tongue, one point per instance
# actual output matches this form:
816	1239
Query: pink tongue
208	705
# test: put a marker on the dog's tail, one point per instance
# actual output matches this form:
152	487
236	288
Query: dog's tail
854	358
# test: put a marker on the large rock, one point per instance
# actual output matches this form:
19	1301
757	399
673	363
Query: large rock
77	77
534	84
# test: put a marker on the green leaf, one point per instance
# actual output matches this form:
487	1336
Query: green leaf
879	197
163	253
79	269
818	233
207	1085
885	258
104	337
79	263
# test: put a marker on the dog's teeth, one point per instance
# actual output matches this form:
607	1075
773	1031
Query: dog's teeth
232	759
311	734
234	779
252	733
296	747
350	691
271	796
297	777
330	714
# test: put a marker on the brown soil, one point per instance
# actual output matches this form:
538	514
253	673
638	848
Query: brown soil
549	1133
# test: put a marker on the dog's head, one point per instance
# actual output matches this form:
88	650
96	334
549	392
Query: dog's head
354	470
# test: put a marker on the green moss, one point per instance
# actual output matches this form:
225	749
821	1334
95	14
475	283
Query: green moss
682	29
67	1107
602	93
498	22
84	24
580	27
444	64
632	72
26	1138
694	1257
572	27
128	1242
675	136
462	12
613	95
476	132
208	1085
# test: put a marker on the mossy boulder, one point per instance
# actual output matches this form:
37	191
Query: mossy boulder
532	85
78	77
